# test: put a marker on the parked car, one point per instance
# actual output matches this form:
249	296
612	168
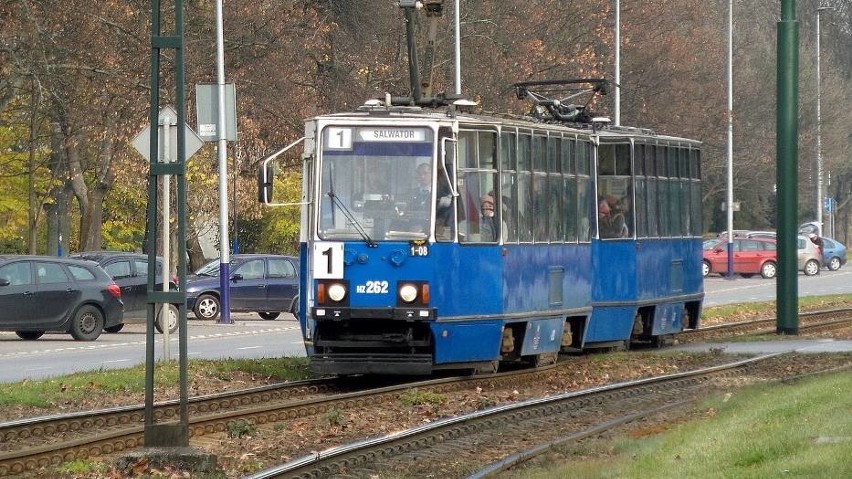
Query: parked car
751	256
736	234
761	234
710	243
759	255
833	253
130	272
809	256
262	283
40	294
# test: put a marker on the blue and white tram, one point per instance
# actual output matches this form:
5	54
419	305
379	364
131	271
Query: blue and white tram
433	239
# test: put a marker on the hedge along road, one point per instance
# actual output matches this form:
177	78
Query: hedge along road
59	354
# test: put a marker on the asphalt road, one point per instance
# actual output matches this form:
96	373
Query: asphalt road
250	337
59	354
720	290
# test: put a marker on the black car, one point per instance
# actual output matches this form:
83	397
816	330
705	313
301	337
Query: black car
40	294
130	272
263	283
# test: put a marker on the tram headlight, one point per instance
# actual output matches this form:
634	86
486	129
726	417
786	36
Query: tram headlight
336	292
332	292
408	292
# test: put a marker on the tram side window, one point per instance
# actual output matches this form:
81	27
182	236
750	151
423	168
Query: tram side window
641	208
509	187
685	185
615	190
555	216
695	210
662	191
654	220
525	192
540	215
569	191
606	160
587	206
674	192
477	188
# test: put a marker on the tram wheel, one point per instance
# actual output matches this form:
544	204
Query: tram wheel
488	368
545	359
663	340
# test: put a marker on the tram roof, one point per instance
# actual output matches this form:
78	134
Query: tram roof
444	115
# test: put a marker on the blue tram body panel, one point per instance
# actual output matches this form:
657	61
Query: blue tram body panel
467	342
657	276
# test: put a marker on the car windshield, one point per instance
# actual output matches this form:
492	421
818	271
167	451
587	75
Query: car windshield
371	184
209	269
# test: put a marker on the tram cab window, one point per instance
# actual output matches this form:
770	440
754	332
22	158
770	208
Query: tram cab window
366	176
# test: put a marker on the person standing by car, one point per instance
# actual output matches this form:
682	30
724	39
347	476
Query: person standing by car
815	239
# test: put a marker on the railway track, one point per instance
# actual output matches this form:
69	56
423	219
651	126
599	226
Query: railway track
35	444
484	442
811	322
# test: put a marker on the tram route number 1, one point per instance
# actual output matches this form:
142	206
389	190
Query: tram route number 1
328	260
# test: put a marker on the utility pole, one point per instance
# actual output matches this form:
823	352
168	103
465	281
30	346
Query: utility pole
787	146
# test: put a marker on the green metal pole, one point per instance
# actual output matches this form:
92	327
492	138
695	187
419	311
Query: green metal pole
787	145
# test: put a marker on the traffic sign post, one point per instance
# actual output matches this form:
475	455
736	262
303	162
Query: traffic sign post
167	148
142	141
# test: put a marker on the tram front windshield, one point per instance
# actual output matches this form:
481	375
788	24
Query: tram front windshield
376	183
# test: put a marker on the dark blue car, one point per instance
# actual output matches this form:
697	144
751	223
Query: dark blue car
262	283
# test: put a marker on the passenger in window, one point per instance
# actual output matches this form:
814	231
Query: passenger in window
488	227
610	221
623	208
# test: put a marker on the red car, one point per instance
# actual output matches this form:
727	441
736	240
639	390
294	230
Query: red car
751	256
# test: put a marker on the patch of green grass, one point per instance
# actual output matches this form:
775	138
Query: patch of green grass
332	417
241	428
766	309
81	466
801	429
48	393
415	397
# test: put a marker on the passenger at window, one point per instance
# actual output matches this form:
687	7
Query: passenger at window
488	227
610	220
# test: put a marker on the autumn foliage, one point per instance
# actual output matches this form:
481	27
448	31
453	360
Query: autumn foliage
74	91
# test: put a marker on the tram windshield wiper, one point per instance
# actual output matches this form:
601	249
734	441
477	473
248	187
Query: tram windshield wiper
336	201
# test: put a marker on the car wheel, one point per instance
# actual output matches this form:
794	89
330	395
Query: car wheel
29	335
207	307
172	314
114	329
705	268
87	324
834	264
268	315
294	307
768	270
811	267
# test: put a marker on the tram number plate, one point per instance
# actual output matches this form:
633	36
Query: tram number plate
418	248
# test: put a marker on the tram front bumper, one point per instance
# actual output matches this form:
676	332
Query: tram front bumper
395	313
